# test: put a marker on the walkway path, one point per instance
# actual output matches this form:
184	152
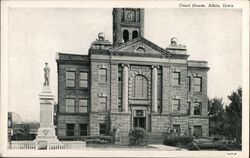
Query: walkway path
155	147
166	148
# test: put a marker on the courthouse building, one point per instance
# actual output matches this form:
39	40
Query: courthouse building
131	83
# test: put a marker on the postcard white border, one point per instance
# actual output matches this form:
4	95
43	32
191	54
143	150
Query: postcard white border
244	5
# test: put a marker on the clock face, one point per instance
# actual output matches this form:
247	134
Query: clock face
130	15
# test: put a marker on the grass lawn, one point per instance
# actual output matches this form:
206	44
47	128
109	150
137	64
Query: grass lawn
118	146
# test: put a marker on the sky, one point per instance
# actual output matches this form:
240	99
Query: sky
37	34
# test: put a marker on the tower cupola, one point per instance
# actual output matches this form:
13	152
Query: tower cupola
128	23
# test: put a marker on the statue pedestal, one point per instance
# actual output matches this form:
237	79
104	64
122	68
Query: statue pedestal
46	132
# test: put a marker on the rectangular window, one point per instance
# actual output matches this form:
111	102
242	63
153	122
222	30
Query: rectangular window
103	75
70	129
197	84
83	129
189	108
70	79
83	79
119	104
189	84
197	108
177	129
102	128
70	105
140	87
176	78
119	84
119	76
176	104
83	105
197	131
103	102
159	105
159	86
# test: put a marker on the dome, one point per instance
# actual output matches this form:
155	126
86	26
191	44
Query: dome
101	36
174	41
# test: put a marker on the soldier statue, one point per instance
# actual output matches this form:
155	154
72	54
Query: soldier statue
46	75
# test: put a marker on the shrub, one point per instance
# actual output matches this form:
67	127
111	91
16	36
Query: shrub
185	140
208	144
170	140
173	140
99	139
193	146
223	147
137	136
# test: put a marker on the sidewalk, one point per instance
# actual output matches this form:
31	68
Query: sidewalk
155	147
167	148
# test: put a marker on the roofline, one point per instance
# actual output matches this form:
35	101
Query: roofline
198	61
60	53
143	38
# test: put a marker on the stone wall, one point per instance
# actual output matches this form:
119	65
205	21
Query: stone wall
198	96
158	122
162	123
70	92
76	63
70	119
166	90
98	88
178	91
114	87
123	122
95	120
200	121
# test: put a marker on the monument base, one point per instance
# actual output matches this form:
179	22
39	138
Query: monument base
45	137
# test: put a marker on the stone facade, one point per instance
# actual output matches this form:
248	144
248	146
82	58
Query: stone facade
131	83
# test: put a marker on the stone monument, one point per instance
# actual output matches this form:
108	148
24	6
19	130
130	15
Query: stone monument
46	132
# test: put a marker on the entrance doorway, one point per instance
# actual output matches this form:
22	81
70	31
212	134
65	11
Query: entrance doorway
140	122
139	119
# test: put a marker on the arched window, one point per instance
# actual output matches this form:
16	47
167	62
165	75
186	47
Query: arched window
140	87
125	35
135	34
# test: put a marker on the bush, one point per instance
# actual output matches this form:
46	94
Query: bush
223	147
193	146
185	140
173	140
208	144
137	136
100	139
170	140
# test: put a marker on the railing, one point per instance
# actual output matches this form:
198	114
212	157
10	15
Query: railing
22	145
63	145
56	146
67	145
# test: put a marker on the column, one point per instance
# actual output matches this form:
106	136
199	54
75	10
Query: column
125	87
154	88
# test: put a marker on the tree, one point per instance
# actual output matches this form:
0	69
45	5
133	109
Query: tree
216	114
234	116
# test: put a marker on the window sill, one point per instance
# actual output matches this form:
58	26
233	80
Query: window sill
70	87
177	86
198	116
85	88
103	82
73	113
77	88
197	93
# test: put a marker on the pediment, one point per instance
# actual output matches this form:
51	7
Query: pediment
141	46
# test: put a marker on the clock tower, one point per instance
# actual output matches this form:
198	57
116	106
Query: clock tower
128	23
